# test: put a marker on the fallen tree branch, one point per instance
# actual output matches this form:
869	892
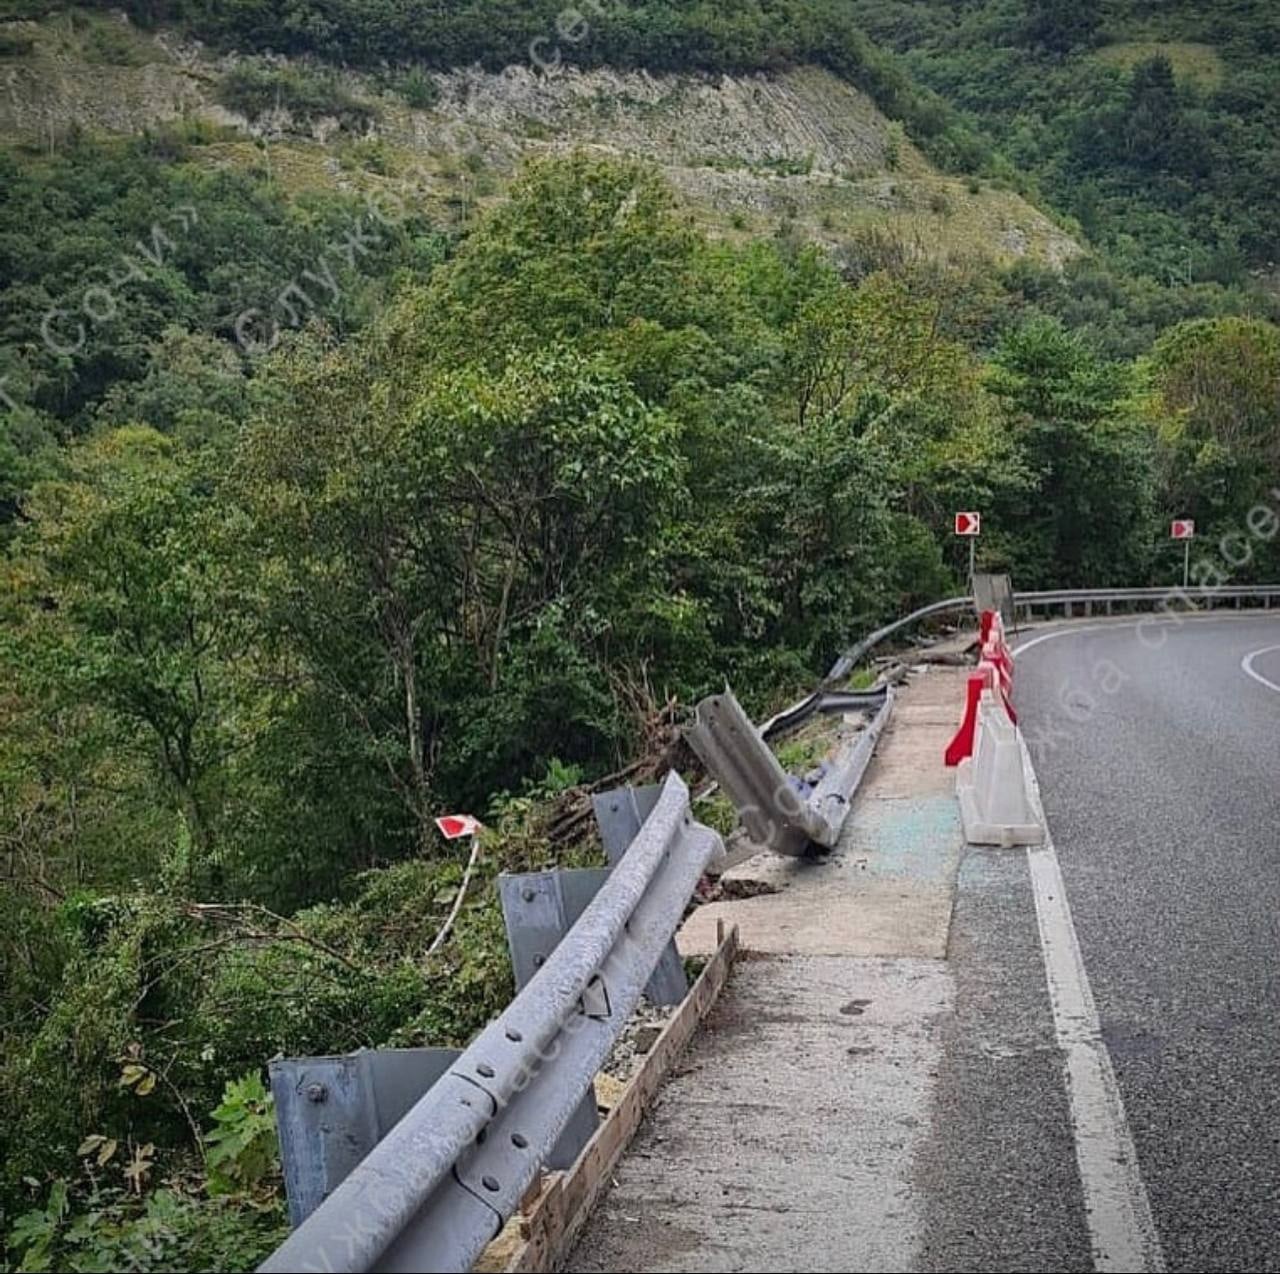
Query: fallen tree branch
226	911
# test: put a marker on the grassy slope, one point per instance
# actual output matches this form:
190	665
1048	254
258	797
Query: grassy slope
1199	64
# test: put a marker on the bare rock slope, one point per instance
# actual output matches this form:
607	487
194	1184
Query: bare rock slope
749	153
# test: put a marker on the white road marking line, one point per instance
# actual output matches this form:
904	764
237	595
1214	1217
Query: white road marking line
1065	632
1249	670
1117	1210
1110	625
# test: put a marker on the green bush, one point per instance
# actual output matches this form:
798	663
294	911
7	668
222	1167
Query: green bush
418	88
307	93
102	1228
242	1151
14	44
110	43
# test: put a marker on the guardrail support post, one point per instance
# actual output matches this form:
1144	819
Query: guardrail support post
331	1111
620	814
539	908
439	1186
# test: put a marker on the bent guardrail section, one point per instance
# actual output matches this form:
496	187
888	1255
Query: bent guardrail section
769	805
781	813
833	796
442	1183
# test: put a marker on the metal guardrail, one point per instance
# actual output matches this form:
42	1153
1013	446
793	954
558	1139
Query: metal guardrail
1267	594
778	812
852	658
819	702
787	819
1068	598
441	1184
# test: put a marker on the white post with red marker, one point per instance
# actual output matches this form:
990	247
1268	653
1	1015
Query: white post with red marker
1184	529
969	526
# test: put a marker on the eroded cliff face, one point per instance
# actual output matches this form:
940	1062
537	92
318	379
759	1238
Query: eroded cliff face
747	153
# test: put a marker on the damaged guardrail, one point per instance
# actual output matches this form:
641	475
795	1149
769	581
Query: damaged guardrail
778	812
433	1187
441	1184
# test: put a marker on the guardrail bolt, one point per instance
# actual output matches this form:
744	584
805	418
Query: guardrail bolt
527	894
317	1093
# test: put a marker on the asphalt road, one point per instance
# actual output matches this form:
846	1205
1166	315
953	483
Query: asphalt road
1158	756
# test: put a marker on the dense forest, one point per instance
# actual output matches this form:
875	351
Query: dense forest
1154	124
453	532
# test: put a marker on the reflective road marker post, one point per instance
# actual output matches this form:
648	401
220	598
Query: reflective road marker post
1184	529
969	526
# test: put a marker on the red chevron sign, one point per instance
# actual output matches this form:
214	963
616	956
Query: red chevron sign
456	826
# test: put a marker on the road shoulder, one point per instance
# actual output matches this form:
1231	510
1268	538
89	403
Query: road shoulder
879	1087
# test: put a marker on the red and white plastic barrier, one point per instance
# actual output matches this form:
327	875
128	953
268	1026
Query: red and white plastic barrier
987	753
995	674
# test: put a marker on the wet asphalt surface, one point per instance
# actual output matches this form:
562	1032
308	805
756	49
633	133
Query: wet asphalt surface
1159	764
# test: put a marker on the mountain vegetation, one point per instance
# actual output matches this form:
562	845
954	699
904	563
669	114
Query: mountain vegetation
1153	124
321	518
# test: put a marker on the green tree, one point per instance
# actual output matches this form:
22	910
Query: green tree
129	556
584	246
28	453
876	363
1154	133
1058	26
194	387
1089	518
1214	386
452	528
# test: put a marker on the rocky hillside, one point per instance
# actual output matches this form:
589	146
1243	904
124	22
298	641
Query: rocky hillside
750	154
